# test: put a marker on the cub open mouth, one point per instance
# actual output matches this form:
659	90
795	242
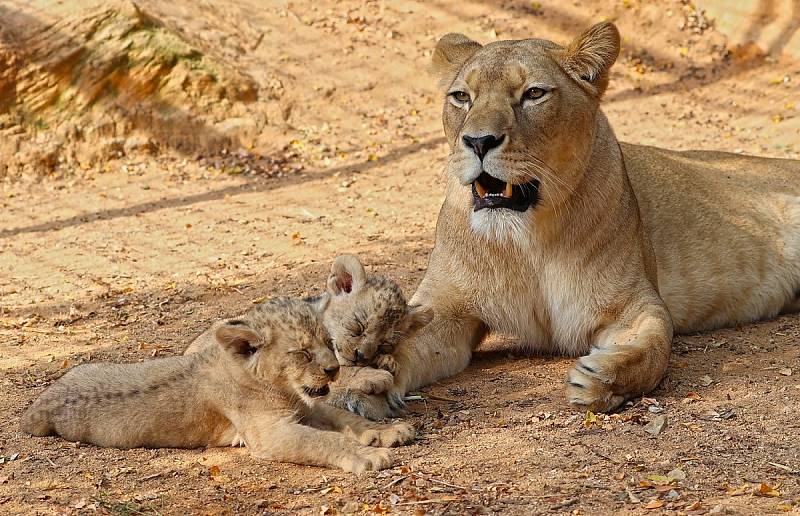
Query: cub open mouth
316	393
490	192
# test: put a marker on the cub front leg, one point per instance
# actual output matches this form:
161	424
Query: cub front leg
363	430
629	359
300	444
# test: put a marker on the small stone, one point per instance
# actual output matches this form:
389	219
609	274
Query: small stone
656	426
706	380
672	495
351	507
677	474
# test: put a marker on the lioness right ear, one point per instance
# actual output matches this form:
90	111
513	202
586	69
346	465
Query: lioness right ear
452	51
590	56
347	275
238	338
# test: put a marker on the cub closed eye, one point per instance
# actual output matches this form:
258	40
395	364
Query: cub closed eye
460	96
303	353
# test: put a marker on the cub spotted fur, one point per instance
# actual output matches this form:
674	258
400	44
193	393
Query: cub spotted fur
367	317
259	383
554	232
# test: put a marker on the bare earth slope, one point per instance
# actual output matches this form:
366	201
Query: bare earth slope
338	148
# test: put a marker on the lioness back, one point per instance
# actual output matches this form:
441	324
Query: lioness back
725	229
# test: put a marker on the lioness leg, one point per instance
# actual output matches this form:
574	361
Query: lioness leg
292	442
363	430
628	359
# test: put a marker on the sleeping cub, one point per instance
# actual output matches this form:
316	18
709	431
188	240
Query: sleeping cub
366	317
259	383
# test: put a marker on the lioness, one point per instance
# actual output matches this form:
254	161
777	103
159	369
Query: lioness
554	232
259	383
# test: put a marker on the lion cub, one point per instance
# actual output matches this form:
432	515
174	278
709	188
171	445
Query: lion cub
367	317
259	383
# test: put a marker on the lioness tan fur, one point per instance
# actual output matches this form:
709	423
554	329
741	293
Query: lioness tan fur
260	383
554	232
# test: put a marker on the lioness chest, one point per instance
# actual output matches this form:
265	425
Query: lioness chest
542	301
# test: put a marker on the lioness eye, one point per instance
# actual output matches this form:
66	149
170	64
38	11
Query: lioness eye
534	93
460	96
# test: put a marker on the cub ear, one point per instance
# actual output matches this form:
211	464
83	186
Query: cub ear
347	275
590	56
238	338
452	51
417	317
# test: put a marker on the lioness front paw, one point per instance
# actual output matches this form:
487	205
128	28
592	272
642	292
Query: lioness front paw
395	434
367	459
590	386
386	362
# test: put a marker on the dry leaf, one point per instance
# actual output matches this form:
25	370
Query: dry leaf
661	479
738	491
692	396
766	490
696	506
706	380
590	419
213	471
654	504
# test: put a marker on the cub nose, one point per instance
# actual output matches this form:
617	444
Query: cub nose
359	356
480	145
331	371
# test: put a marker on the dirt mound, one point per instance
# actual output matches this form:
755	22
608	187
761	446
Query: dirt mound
108	81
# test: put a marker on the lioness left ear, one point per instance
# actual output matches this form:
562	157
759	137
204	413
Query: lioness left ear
237	337
417	317
590	56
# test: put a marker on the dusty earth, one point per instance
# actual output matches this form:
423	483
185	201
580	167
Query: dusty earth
130	258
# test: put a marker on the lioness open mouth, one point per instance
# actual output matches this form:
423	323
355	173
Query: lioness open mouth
316	393
490	192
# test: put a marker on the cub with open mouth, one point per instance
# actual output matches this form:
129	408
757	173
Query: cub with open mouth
260	384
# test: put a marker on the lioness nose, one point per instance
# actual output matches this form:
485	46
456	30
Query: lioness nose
359	356
483	144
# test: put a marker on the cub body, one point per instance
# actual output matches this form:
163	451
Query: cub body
258	384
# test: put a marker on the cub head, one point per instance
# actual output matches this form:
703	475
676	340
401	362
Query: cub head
520	118
367	315
283	343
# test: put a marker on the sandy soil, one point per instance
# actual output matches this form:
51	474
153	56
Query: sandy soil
131	262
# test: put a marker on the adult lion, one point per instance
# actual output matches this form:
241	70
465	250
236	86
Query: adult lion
554	232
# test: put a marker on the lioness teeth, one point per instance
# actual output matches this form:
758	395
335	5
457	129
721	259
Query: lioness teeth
480	189
509	191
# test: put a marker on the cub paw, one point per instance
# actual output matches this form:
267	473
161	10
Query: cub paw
395	434
386	362
367	459
590	388
371	381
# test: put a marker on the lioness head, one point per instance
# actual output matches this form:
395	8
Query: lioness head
367	315
520	120
282	343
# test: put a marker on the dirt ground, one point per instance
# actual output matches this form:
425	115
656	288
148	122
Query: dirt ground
132	260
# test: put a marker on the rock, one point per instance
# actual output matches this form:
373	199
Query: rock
656	426
719	509
677	474
672	495
351	507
